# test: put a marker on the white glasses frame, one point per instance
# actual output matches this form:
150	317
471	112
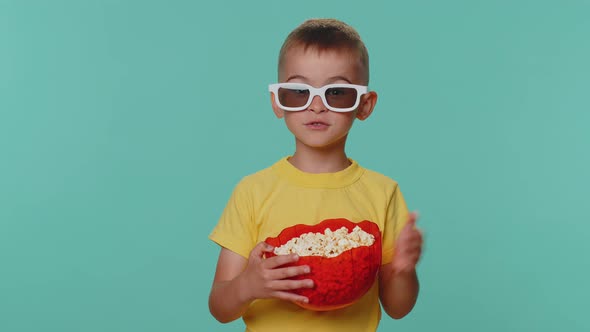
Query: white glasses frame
360	91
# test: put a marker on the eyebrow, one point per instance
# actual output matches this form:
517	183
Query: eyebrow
331	79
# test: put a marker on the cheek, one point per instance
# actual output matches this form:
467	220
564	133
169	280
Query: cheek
292	119
346	119
297	115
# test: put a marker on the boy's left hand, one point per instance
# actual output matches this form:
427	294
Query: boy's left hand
408	247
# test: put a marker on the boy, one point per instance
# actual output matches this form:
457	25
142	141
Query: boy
324	73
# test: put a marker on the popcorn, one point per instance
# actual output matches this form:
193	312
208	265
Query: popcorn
329	244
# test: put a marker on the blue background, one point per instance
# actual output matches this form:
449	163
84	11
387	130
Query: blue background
124	126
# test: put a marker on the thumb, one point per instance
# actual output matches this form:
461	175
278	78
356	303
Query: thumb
412	218
260	249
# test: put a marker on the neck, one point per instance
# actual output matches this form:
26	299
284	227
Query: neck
319	160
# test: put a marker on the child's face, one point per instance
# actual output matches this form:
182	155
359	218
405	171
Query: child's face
316	126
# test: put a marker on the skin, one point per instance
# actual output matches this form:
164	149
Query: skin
238	280
320	151
398	281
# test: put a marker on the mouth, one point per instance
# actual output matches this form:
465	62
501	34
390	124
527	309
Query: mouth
317	125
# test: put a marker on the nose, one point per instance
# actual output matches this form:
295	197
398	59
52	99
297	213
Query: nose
317	105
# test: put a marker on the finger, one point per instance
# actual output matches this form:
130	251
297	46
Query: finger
412	218
280	260
282	285
408	238
412	256
410	224
259	250
289	272
413	248
268	247
408	246
406	251
410	234
287	296
414	236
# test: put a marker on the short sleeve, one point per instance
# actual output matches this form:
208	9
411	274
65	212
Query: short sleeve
396	218
235	229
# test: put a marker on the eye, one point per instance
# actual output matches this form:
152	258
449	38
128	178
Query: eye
336	91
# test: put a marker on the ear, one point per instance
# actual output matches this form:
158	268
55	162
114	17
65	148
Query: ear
367	105
276	109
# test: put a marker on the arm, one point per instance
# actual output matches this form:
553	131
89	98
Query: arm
398	282
398	291
227	301
239	281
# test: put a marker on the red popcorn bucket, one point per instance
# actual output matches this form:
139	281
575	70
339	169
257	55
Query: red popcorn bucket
341	280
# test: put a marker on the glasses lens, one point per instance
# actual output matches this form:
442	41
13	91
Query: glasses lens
341	97
292	97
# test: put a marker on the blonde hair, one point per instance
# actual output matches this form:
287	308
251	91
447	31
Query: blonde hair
327	35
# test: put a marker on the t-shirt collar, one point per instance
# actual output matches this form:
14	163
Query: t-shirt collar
338	179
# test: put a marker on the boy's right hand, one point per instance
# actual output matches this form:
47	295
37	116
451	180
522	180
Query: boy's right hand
265	278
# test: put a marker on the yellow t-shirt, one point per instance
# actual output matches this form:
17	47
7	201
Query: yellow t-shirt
266	202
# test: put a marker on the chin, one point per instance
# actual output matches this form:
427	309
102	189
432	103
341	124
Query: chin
320	144
329	141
